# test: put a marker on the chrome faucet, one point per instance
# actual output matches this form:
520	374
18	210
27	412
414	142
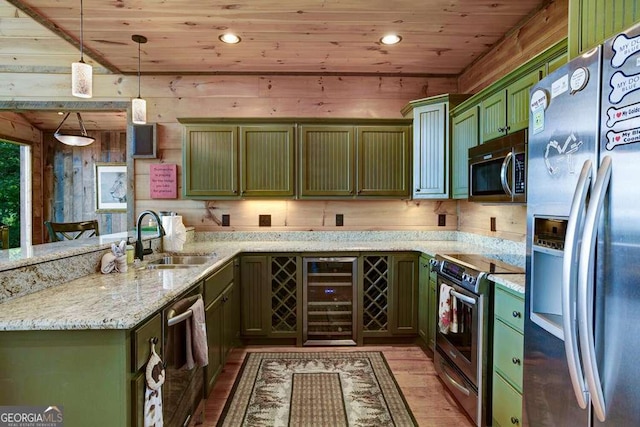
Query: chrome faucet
140	252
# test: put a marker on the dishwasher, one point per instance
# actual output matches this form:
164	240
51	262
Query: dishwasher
183	388
329	301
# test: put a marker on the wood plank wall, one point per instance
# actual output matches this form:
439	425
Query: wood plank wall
170	97
15	128
69	194
544	29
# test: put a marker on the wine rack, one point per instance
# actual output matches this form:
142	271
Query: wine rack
329	300
376	293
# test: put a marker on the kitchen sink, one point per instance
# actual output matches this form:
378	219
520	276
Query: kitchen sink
183	260
168	266
179	261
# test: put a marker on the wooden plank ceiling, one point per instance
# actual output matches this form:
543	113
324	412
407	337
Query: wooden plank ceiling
291	37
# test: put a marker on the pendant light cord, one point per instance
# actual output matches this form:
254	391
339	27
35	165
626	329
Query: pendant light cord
138	69
81	32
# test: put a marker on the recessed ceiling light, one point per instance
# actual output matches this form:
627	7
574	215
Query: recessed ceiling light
391	39
229	38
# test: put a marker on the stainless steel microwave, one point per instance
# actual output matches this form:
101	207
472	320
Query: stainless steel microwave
498	170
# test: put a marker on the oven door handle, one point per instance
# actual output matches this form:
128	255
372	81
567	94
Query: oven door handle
504	179
462	389
463	298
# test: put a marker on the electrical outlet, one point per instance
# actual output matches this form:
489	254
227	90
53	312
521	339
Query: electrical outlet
442	220
264	220
493	223
339	220
226	220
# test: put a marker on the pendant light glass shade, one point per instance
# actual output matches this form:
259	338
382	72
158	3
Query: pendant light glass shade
138	111
81	72
138	105
71	139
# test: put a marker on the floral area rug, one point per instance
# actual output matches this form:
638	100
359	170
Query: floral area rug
316	389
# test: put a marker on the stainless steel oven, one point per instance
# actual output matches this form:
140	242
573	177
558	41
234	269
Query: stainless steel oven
463	353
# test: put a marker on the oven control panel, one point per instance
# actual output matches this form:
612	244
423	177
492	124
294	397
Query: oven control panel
467	278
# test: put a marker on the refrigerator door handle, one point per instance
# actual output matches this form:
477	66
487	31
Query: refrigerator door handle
586	288
504	179
569	283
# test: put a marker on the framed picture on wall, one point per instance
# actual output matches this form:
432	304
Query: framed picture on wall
111	187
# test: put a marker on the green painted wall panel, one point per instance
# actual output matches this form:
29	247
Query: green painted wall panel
74	369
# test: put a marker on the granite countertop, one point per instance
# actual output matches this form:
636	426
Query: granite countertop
511	281
123	300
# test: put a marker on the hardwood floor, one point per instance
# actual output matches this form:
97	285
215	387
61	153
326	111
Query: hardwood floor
430	403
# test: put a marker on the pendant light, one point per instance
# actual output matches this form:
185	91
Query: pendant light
139	105
81	72
71	139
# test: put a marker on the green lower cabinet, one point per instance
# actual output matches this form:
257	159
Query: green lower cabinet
214	314
433	312
508	352
507	403
255	295
423	299
403	311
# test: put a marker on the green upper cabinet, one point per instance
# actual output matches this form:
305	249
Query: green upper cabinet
354	161
231	161
210	161
431	129
507	110
593	21
267	154
383	161
327	161
465	136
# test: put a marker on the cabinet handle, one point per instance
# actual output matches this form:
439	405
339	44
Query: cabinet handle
516	314
515	361
508	128
417	190
500	130
514	420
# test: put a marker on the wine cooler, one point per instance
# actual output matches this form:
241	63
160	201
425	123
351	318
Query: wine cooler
329	297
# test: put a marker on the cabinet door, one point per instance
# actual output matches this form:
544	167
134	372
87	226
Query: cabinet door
267	154
210	164
404	296
593	21
465	136
518	100
230	330
493	116
327	161
423	299
431	151
214	315
255	295
383	161
433	312
507	404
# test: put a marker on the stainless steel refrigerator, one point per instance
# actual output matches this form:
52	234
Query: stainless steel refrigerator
582	328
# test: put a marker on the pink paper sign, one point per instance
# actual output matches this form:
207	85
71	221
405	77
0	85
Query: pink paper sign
163	181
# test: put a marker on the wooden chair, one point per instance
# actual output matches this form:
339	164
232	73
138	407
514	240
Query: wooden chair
4	237
59	231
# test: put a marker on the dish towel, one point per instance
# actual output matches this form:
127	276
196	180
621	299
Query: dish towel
444	309
197	352
154	378
454	315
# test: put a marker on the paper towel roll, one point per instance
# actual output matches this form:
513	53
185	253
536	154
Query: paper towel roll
175	233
